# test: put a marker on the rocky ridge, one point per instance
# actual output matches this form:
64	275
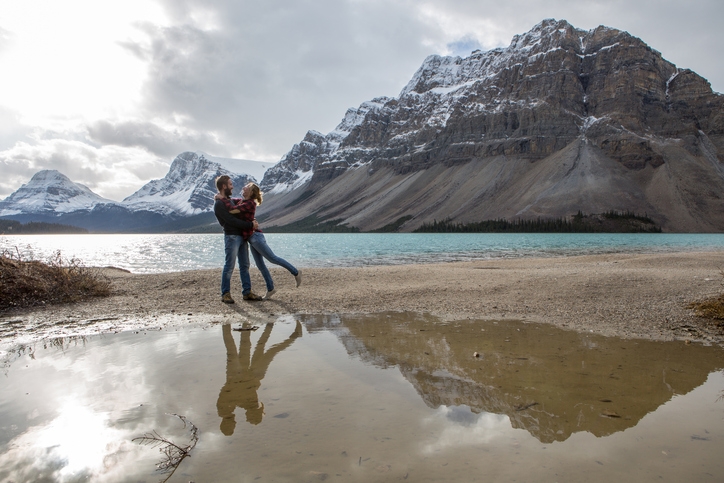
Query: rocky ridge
561	120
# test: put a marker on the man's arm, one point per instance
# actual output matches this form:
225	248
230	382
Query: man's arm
248	206
226	218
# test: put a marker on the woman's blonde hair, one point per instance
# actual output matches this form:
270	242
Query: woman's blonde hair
255	193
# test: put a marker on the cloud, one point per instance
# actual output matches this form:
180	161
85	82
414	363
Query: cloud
5	38
260	74
109	171
165	143
462	427
463	47
11	128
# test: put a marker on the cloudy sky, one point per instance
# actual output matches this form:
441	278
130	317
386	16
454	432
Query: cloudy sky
110	92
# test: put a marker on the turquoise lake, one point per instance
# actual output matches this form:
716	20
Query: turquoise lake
177	252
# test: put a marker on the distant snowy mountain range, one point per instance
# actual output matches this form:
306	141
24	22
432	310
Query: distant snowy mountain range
177	201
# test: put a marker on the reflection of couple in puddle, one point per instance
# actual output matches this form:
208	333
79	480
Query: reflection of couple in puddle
244	372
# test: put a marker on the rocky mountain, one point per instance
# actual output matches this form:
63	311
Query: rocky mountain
183	199
561	120
438	363
50	193
189	186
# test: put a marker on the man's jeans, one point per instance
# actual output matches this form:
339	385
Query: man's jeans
235	248
260	250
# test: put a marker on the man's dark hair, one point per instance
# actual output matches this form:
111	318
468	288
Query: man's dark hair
221	182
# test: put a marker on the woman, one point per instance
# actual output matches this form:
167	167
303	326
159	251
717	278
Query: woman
245	209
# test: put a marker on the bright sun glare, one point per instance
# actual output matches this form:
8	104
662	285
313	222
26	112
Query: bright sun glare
79	438
64	59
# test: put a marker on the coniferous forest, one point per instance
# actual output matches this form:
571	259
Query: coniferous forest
609	222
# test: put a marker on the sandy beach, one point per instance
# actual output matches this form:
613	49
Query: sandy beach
625	295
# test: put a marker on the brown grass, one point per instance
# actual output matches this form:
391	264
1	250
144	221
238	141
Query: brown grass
712	308
25	283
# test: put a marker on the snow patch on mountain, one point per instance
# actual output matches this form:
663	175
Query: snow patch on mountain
300	178
355	117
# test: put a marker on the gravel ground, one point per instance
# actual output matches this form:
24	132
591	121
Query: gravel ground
625	295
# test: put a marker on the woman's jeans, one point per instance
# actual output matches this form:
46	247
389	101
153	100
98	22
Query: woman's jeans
235	248
260	250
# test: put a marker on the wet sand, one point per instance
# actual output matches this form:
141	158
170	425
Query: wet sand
625	295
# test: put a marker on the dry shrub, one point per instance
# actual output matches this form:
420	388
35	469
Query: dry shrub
25	283
712	308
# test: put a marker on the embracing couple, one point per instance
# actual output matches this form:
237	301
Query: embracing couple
241	230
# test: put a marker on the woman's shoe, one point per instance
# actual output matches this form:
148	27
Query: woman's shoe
298	278
269	293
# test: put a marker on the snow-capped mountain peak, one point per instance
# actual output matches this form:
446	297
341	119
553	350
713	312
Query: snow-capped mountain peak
189	186
295	167
50	192
444	74
354	117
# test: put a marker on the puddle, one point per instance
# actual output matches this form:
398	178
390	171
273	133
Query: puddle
386	397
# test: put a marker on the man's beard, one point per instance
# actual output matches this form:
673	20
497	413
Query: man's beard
227	192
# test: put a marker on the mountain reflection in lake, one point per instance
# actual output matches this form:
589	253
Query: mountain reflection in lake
550	382
403	396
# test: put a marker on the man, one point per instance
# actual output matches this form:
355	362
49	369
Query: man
234	245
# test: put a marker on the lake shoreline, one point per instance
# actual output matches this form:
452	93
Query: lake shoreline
623	295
